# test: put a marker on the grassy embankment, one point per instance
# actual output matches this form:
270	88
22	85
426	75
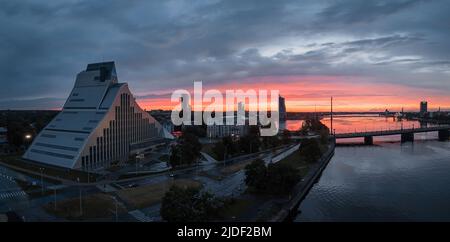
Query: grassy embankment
297	161
99	206
145	196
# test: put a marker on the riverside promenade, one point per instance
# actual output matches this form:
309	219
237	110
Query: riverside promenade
301	189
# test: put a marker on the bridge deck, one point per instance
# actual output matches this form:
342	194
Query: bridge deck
391	132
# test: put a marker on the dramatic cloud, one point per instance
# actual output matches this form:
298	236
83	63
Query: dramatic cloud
159	46
355	11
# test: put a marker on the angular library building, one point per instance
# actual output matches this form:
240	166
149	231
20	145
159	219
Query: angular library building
99	125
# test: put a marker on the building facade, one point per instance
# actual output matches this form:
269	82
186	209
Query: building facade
99	123
220	131
224	130
282	108
423	107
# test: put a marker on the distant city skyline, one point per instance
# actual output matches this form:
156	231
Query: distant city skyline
370	55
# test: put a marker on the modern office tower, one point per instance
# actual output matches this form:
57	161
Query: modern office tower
100	124
423	107
282	108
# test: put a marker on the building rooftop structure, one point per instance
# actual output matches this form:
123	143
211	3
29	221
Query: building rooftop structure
98	123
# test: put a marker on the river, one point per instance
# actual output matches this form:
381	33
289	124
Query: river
388	181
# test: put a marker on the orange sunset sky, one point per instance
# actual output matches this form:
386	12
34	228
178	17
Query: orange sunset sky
369	56
307	94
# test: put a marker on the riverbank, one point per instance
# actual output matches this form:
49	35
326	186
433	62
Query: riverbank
388	182
301	189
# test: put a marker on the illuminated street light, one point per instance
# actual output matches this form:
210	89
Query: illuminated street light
28	136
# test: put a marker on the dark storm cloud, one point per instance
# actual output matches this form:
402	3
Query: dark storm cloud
161	45
354	11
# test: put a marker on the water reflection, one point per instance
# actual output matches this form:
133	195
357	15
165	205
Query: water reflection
346	124
349	124
361	123
388	181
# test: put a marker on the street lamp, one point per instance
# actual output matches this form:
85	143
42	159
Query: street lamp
54	189
117	217
27	139
88	174
137	160
81	208
116	212
42	180
225	155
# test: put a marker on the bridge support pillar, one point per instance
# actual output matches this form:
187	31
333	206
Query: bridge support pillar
368	140
407	137
444	134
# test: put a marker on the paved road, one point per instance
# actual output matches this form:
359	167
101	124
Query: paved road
8	195
12	198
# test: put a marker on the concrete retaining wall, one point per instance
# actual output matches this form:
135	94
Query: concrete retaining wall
301	189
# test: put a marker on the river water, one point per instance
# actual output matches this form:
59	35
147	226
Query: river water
388	181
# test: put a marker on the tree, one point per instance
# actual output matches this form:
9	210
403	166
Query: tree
231	145
219	150
324	136
197	130
271	141
190	148
313	125
249	143
286	137
310	150
15	133
189	205
186	151
225	147
175	156
254	137
21	123
278	178
244	144
281	178
255	174
303	130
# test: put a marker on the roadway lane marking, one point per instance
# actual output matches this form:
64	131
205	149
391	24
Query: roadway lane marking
7	177
12	194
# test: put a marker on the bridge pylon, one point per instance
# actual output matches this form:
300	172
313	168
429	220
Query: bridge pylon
444	134
407	137
368	140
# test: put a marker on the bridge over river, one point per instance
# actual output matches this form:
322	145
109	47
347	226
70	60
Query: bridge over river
406	134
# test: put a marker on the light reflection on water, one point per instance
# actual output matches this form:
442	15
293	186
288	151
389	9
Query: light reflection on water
388	181
350	124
